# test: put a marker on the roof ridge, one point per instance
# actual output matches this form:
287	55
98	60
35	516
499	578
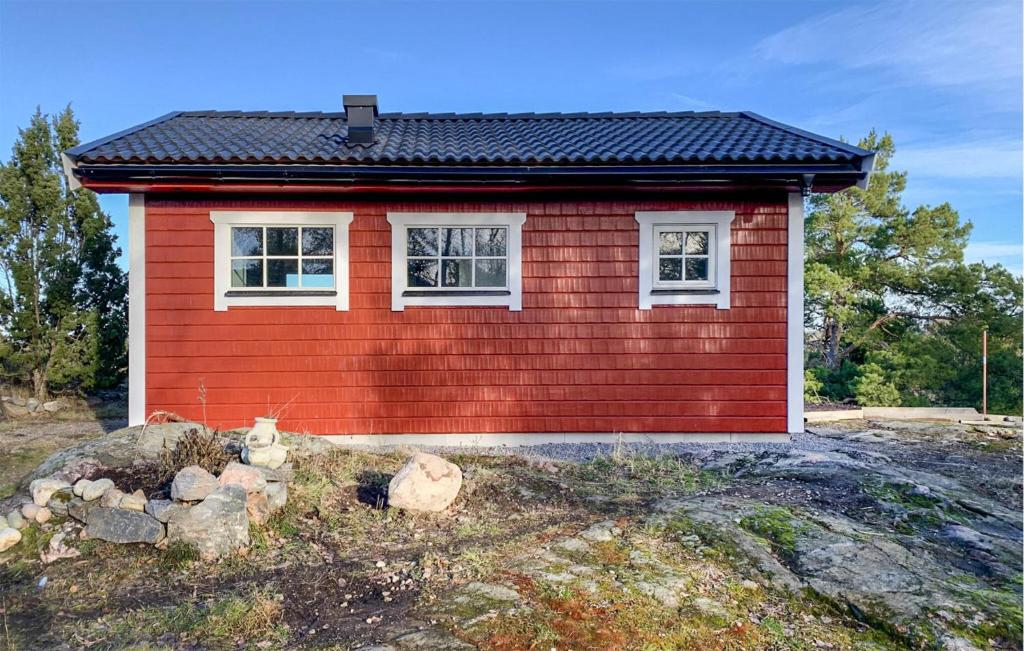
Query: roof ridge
426	115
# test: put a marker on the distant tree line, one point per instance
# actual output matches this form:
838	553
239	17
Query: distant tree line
893	314
63	297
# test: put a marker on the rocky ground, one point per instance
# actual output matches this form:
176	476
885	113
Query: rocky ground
864	535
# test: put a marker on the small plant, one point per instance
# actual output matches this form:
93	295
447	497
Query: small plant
178	556
197	447
774	524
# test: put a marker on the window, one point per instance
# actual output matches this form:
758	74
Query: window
684	258
280	258
451	259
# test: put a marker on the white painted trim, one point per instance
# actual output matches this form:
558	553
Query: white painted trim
400	221
722	220
520	439
795	316
136	309
224	219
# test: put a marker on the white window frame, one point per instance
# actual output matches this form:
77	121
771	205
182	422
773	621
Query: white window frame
455	296
710	229
716	290
224	220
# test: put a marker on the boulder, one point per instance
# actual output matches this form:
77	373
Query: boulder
425	483
32	405
79	508
284	473
257	508
59	502
80	486
57	549
3	522
43	515
251	479
216	526
42	489
162	510
96	489
277	495
30	510
192	484
16	520
53	406
156	437
9	537
122	526
134	502
112	498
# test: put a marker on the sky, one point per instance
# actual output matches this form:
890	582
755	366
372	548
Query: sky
943	78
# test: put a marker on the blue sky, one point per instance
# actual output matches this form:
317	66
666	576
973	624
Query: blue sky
943	78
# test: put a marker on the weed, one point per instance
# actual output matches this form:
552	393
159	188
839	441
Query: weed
197	447
178	556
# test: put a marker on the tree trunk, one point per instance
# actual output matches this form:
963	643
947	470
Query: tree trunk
40	385
833	335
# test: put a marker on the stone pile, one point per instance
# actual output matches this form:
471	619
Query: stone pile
211	513
16	406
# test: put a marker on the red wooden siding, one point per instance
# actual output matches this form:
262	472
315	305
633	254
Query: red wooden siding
580	357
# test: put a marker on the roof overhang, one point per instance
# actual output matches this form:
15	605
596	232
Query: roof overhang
120	178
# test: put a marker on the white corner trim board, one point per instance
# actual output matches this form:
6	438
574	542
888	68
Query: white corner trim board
223	220
795	316
136	309
401	221
721	223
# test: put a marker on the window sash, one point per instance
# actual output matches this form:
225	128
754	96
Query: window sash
685	229
299	258
472	258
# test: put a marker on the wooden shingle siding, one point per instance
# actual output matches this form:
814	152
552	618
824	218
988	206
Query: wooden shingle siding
579	357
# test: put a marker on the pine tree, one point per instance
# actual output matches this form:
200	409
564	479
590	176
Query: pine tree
63	303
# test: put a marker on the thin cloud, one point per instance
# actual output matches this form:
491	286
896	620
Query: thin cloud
929	44
1008	254
974	160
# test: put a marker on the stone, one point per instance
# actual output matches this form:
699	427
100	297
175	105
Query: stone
710	607
192	484
3	522
57	549
216	526
134	502
257	508
74	470
157	437
122	526
29	510
16	520
59	502
96	489
32	405
79	508
42	489
574	545
80	486
283	473
43	515
112	498
162	510
425	483
491	591
53	406
601	532
251	479
9	537
277	495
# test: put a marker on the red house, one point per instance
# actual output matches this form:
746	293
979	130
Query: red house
470	278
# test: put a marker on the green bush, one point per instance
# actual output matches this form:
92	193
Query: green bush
873	389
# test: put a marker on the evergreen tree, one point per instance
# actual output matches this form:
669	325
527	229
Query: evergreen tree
63	303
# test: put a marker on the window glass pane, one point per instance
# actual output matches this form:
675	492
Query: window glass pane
317	241
318	273
456	241
422	241
490	241
246	241
457	273
696	269
670	269
422	273
282	273
697	243
282	241
490	273
247	273
671	244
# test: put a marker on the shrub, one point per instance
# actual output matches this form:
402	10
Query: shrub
197	447
873	389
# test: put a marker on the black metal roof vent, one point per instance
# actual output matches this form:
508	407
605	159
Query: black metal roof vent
360	111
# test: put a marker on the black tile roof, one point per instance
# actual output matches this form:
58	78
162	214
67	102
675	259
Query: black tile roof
470	139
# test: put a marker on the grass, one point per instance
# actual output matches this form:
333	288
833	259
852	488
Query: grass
623	475
218	625
776	525
178	556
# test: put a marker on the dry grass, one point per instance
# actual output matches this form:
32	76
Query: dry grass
197	447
